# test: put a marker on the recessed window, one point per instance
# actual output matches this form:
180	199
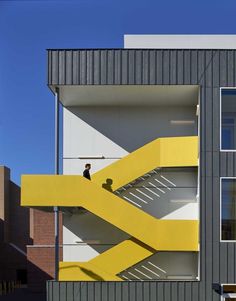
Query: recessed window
229	292
228	119
228	209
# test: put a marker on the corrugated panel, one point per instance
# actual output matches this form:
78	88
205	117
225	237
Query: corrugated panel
211	69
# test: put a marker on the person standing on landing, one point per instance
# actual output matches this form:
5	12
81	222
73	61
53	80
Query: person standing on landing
86	173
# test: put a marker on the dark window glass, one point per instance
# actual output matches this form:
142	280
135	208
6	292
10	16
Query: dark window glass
228	209
228	119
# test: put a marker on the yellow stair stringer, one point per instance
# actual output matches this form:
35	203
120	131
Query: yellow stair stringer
181	235
76	191
162	152
107	265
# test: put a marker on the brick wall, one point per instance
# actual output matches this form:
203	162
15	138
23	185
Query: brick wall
26	237
18	219
40	255
43	228
40	266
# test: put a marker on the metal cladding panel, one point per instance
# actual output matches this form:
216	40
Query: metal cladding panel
210	69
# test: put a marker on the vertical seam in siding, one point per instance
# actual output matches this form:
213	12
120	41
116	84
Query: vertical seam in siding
162	67
169	62
227	68
106	60
190	68
92	67
142	67
57	67
99	67
65	67
149	69
177	66
113	71
234	264
184	67
234	68
86	68
127	69
72	62
155	69
121	67
197	66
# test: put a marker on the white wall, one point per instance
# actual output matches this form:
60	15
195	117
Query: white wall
113	132
165	266
97	234
167	194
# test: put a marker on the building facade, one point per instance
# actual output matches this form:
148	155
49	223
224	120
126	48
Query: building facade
156	122
14	231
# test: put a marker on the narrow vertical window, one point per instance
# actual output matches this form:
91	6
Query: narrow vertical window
228	209
228	119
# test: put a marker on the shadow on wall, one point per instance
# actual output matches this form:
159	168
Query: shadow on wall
1	231
89	273
132	127
37	278
13	264
14	237
89	227
42	257
92	274
108	185
19	222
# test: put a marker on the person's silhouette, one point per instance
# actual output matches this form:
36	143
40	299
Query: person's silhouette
86	172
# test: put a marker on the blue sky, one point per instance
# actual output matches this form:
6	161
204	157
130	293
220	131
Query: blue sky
28	28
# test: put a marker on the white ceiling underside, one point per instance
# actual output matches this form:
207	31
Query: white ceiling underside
129	95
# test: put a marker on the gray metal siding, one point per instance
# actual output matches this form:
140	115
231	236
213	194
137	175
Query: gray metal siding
211	69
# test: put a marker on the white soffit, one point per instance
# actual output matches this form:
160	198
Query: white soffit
180	41
129	95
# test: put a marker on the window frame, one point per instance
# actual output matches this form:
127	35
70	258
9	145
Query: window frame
224	88
222	296
222	178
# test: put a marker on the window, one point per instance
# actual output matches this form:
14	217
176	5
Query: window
228	292
228	209
228	119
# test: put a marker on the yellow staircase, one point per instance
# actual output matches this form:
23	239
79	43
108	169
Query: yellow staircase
162	152
149	234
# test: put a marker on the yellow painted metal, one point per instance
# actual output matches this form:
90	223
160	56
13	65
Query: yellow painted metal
162	152
106	265
75	191
150	234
